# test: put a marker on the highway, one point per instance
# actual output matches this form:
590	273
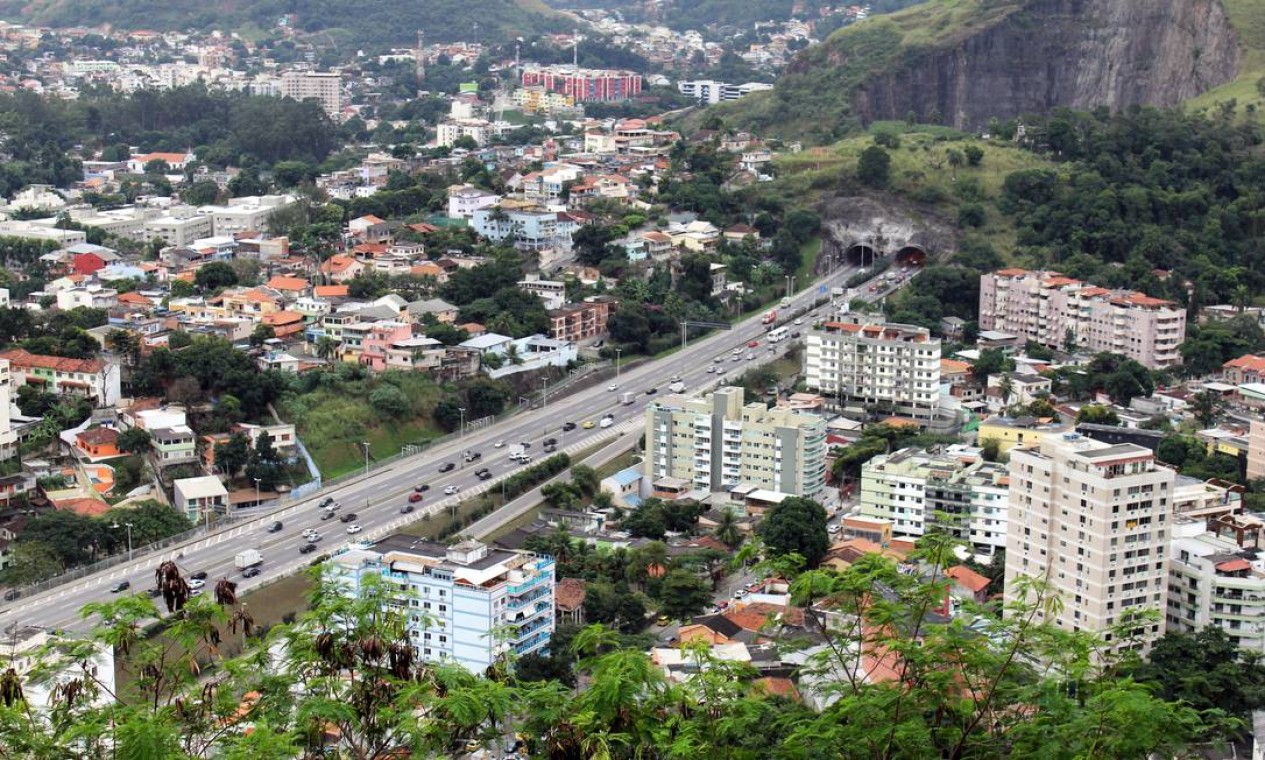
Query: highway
377	498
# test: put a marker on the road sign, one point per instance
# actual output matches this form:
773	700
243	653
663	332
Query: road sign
821	289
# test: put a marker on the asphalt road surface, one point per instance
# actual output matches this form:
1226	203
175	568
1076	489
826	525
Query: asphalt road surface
377	497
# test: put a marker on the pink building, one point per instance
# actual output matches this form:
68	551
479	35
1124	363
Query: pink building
585	84
378	340
1058	311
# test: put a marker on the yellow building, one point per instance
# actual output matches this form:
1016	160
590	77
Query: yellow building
1019	431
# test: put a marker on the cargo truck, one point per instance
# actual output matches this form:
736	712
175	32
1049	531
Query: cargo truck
248	558
627	398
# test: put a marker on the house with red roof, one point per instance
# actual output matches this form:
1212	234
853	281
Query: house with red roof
968	584
341	268
87	378
290	287
369	229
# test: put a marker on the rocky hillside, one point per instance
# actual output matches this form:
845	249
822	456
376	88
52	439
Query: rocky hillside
963	62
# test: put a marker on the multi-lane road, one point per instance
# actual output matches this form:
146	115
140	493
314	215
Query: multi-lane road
377	497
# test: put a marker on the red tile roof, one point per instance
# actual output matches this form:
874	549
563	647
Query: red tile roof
1234	566
1248	362
98	436
967	578
281	282
569	594
331	291
21	358
85	507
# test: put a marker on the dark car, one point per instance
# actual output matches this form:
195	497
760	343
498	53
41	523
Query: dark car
154	593
423	488
326	502
327	515
473	456
12	594
120	586
275	527
348	517
651	391
199	575
551	441
250	572
414	497
447	467
406	509
525	444
307	548
483	474
569	426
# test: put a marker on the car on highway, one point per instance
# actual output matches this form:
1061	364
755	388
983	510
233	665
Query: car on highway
155	592
447	467
568	426
250	572
406	509
307	548
422	488
450	490
675	379
354	529
333	506
327	515
651	391
473	456
414	497
736	351
12	594
750	356
736	357
275	527
753	344
350	516
311	535
483	474
795	335
612	387
120	586
718	360
525	444
741	593
589	424
797	321
711	369
200	575
550	442
498	444
197	583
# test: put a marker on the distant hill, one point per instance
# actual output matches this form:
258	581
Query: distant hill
964	62
714	14
364	23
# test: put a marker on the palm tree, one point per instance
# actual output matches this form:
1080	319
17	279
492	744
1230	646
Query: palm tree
326	347
1007	386
511	353
726	530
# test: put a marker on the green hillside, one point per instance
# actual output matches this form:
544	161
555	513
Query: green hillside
1248	17
367	23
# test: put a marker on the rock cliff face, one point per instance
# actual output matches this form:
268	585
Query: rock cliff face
1049	53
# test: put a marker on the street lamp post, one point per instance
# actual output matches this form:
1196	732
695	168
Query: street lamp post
618	352
544	392
366	445
257	491
128	525
462	411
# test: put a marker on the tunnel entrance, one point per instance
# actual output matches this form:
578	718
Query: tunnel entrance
861	255
911	256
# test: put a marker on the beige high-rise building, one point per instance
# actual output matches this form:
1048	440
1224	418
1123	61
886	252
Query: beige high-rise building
8	438
717	442
325	86
1094	520
867	363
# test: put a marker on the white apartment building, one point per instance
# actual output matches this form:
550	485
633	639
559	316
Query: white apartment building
447	133
1094	520
88	296
179	230
1058	311
1217	577
466	603
865	362
464	200
323	86
8	437
249	214
712	92
717	442
954	491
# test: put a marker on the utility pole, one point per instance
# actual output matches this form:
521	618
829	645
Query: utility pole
618	351
366	445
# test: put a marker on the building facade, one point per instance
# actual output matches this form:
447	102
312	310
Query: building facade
467	603
865	362
322	86
1060	312
955	491
90	378
582	321
585	85
717	442
1094	520
1216	577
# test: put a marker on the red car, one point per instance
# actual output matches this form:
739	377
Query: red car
414	497
753	344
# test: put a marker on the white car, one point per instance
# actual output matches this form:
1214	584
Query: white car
612	387
718	360
737	357
798	321
711	369
750	356
196	584
498	444
354	529
450	490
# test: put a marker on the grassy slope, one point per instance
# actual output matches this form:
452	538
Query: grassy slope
917	165
1248	17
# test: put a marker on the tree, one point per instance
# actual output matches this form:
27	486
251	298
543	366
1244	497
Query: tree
974	154
874	167
592	243
389	402
201	193
682	594
232	455
1206	406
991	361
955	159
1206	670
326	347
30	562
134	440
125	343
796	525
1097	414
262	334
214	276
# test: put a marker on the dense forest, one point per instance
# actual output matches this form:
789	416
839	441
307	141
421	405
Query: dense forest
223	128
369	24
